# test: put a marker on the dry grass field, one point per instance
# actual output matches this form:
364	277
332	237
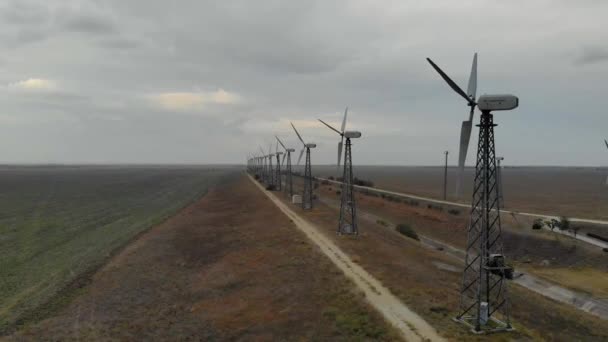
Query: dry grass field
228	267
560	191
419	276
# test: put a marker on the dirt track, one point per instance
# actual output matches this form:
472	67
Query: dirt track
412	326
217	271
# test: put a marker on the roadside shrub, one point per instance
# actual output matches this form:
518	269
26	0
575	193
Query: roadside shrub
454	211
331	178
434	207
564	223
270	187
324	182
406	230
538	224
382	223
338	192
362	182
256	176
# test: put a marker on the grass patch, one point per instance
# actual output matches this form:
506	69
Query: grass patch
60	224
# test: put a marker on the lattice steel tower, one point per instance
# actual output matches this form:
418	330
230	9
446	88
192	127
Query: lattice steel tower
288	179
307	193
278	179
307	197
348	210
484	287
484	300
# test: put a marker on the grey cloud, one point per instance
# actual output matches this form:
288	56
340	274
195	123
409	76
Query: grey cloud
88	23
293	61
592	55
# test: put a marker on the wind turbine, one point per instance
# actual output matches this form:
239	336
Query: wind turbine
278	178
348	209
307	193
484	288
606	142
264	168
288	177
271	183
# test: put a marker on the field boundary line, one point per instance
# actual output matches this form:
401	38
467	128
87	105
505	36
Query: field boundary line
589	240
410	324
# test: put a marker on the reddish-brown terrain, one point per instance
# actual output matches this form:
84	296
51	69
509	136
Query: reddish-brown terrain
228	267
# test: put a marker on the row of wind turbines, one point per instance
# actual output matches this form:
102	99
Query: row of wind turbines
261	165
484	301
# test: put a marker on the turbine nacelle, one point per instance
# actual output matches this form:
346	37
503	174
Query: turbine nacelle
490	103
352	134
310	145
290	149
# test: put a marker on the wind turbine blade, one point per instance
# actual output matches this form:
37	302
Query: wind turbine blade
606	142
283	161
280	142
333	129
344	120
261	149
465	137
451	83
339	152
472	88
300	157
298	134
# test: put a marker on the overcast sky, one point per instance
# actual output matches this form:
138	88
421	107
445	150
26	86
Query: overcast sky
150	81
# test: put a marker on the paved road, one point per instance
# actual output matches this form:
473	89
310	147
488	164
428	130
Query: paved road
581	237
411	325
584	302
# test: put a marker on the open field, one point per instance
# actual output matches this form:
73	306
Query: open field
428	280
568	191
228	267
59	224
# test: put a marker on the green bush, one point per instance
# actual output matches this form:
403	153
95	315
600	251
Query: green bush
406	230
454	211
538	224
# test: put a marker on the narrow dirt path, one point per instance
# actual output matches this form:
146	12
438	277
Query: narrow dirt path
229	267
411	325
581	301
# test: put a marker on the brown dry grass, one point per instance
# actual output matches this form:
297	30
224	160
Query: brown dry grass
229	267
412	273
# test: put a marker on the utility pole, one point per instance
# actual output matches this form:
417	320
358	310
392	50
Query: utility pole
499	183
445	177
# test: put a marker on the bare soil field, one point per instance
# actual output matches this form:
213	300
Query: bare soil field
560	191
428	281
228	267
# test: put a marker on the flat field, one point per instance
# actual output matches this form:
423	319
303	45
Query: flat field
59	224
561	191
229	267
428	279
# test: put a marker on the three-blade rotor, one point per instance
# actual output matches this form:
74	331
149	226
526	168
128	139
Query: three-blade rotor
340	132
467	126
303	143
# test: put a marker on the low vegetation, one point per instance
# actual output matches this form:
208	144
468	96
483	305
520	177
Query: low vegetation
59	224
408	231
